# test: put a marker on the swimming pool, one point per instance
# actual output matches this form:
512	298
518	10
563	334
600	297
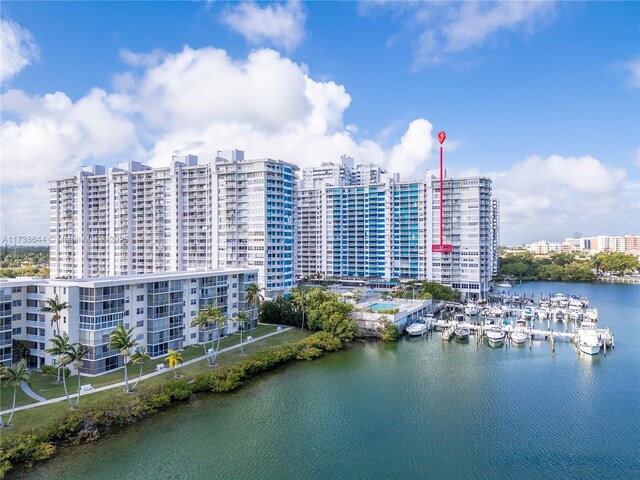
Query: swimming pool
383	306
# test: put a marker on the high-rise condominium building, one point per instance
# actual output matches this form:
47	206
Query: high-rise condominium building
134	219
470	226
385	228
159	307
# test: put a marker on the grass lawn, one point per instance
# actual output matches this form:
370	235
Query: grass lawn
37	417
46	386
6	398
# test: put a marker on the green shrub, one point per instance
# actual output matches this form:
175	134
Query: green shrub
51	370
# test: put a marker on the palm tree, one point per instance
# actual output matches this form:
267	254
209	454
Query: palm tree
74	355
138	358
14	377
242	318
220	321
59	346
54	306
253	295
174	360
300	300
121	339
208	316
20	349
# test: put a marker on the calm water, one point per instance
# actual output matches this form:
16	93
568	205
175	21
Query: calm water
415	409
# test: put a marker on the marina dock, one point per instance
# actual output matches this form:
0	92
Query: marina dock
526	318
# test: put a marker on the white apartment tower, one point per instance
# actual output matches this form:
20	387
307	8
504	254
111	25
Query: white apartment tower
134	219
254	218
470	226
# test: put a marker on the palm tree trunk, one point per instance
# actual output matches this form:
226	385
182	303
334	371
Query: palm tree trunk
302	327
139	377
126	376
241	348
79	380
206	353
217	347
13	409
66	392
58	365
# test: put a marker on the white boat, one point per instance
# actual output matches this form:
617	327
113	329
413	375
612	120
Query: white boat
462	332
417	329
575	302
471	309
447	333
495	336
542	313
528	313
591	315
518	337
559	315
504	285
589	343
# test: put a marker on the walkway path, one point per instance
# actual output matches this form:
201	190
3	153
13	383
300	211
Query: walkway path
25	388
148	375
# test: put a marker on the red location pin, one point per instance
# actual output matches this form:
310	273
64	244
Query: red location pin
441	137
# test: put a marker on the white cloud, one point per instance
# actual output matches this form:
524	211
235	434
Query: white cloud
53	135
554	196
632	70
280	25
17	49
193	101
443	30
201	100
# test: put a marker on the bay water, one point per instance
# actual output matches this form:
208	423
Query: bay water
414	409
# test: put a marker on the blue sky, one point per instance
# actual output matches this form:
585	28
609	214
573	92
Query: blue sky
545	97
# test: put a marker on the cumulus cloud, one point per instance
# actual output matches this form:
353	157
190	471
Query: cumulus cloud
201	100
557	195
17	49
442	30
280	25
53	135
195	101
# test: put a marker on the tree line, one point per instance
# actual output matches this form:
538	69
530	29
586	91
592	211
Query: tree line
566	267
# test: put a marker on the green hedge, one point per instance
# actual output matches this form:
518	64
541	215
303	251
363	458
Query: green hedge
89	422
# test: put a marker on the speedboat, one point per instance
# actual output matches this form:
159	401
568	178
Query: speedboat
591	315
589	342
495	336
471	309
489	321
504	285
446	334
575	302
417	329
559	315
528	313
518	337
542	313
462	333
